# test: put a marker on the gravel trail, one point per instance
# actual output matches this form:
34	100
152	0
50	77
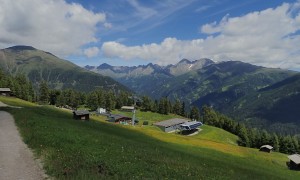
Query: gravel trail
16	159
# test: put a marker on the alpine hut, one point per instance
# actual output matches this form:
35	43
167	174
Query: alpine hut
294	161
266	148
81	114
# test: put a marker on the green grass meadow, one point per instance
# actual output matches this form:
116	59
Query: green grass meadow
96	149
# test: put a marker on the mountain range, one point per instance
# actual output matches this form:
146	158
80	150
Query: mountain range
39	65
150	79
261	97
245	92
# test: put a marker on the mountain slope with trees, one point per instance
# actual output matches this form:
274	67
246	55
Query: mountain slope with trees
275	107
38	65
223	86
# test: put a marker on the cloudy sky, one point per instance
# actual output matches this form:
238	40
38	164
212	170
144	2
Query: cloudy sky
133	32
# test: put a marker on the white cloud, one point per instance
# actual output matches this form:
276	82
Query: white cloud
269	38
55	26
107	25
91	52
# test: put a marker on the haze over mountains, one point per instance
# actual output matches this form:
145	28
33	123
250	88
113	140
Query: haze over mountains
238	89
39	65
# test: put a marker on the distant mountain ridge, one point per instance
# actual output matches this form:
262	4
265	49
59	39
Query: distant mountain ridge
180	68
39	65
240	90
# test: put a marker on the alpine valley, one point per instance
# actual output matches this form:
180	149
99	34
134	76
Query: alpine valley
261	97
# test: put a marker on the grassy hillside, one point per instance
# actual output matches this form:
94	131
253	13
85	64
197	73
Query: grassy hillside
206	133
96	149
38	65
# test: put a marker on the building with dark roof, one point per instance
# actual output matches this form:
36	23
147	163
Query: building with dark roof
191	125
266	148
170	125
5	91
81	114
294	161
119	119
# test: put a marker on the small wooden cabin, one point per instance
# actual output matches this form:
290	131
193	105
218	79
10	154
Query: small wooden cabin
81	115
119	119
5	91
294	162
266	148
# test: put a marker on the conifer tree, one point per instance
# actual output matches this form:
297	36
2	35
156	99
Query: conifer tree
209	116
177	107
44	92
182	111
91	101
163	106
243	136
146	103
296	144
265	138
155	106
275	142
195	114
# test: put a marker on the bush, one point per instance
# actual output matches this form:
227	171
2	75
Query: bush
145	123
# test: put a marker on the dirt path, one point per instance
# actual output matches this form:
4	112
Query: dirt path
16	159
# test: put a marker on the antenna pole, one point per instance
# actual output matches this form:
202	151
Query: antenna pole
133	116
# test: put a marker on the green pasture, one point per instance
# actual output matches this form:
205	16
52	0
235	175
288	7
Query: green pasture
96	149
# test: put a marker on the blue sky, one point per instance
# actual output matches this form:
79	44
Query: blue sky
133	32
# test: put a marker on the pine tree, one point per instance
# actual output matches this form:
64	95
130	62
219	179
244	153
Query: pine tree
265	138
253	140
110	101
61	100
146	103
91	101
283	146
209	116
275	142
44	92
163	106
182	111
243	136
195	114
74	99
100	98
31	93
177	107
155	106
296	144
53	95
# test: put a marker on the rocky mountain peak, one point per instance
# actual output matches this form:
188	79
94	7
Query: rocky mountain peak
184	61
104	66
